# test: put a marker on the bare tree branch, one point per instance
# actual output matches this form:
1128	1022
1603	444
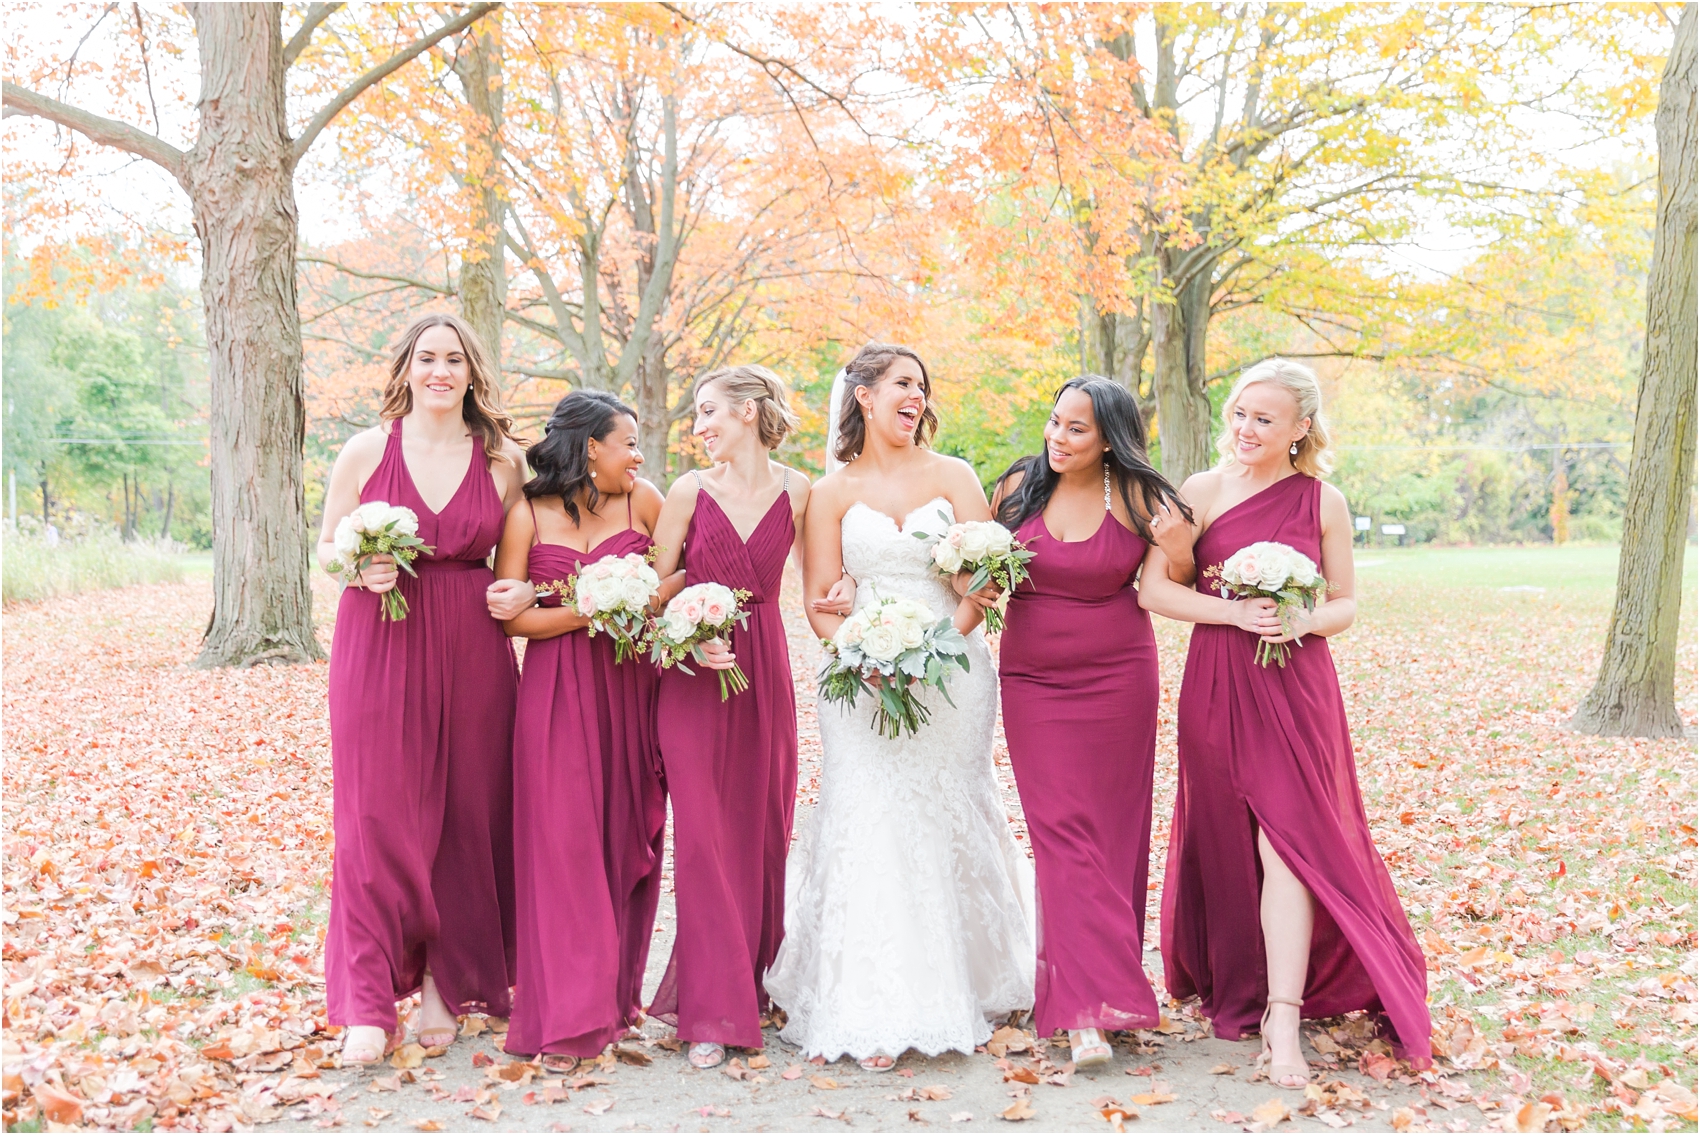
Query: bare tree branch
316	15
348	94
106	131
440	289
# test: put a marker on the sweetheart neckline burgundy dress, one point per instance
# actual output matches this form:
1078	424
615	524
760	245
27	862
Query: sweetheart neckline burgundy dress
1269	747
1079	670
421	714
590	810
732	773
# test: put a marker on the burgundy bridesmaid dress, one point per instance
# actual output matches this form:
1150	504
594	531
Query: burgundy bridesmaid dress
589	812
732	774
422	717
1268	747
1079	670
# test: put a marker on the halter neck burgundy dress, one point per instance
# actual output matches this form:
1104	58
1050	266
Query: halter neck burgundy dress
589	812
422	717
732	773
1268	747
1079	670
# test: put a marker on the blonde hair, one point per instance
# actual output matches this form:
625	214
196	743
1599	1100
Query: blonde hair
1313	458
481	408
751	383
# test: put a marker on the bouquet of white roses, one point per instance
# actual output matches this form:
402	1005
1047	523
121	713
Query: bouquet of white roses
378	528
883	649
988	550
614	593
695	615
1269	570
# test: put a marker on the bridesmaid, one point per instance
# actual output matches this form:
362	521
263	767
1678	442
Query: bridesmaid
589	804
1079	671
731	765
422	709
1275	899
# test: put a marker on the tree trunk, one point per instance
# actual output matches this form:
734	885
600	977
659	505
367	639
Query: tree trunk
650	387
1183	408
1635	695
170	499
239	177
483	278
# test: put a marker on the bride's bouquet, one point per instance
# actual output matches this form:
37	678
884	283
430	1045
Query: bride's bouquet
614	593
378	528
1270	570
988	550
695	615
884	649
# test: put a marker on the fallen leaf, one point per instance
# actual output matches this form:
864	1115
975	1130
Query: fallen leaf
760	1061
1017	1111
826	1113
794	1072
1152	1099
598	1107
1271	1112
489	1112
962	1117
482	1060
707	1110
1223	1070
428	1125
633	1056
825	1083
58	1106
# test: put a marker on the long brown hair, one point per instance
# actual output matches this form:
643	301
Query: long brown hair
866	369
481	409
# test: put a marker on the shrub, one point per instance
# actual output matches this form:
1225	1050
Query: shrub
32	569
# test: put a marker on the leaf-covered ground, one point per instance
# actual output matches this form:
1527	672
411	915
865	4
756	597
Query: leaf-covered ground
168	842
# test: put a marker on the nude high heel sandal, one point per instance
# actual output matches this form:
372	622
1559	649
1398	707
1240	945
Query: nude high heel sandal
1088	1048
1280	1074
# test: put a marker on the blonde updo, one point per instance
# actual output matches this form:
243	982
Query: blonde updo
1312	459
750	383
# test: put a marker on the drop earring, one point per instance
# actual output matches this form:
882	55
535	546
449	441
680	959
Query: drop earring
1294	449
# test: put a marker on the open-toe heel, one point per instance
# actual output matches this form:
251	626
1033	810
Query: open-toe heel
872	1063
1279	1074
1088	1048
706	1055
559	1062
361	1047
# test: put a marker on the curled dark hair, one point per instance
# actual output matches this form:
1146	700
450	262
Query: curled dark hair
1119	423
866	369
562	459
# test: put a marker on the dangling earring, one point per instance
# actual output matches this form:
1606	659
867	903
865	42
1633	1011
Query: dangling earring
1294	450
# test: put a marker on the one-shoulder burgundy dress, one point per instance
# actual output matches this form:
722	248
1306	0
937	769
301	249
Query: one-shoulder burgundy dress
422	714
1079	670
589	813
1268	747
732	774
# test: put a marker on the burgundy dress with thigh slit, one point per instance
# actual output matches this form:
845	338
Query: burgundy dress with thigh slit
422	714
1268	747
1079	669
732	775
589	812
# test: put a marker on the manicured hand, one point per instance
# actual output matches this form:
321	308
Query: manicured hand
840	600
1296	627
987	596
1257	616
1171	532
717	654
379	574
507	598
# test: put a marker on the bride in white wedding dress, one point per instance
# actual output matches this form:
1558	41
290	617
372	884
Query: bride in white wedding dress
908	902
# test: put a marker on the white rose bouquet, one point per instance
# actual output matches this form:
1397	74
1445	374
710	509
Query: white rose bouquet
614	593
883	649
988	550
378	528
1270	570
695	615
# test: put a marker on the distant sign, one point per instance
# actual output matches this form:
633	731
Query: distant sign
1392	529
1363	524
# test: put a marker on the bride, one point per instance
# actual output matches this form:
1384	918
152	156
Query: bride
908	905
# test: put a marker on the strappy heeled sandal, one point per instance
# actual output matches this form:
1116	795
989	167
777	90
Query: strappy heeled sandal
1088	1048
872	1063
359	1048
1279	1074
436	1036
706	1055
558	1062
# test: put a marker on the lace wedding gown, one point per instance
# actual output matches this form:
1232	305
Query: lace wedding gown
908	903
